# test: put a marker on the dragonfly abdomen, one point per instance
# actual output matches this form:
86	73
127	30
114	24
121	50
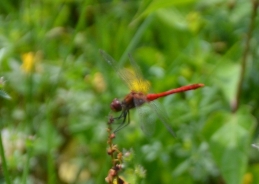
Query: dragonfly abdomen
151	97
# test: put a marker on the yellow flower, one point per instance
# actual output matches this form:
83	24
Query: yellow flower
248	178
99	82
28	64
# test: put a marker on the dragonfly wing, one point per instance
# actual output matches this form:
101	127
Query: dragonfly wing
147	118
141	84
122	74
162	116
135	67
132	78
129	77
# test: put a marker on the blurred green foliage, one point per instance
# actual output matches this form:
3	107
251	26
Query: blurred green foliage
54	127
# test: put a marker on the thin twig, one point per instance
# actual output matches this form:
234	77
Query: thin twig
255	4
116	156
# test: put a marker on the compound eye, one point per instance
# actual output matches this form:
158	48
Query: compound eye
116	105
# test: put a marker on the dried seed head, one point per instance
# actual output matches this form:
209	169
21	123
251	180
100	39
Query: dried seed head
112	136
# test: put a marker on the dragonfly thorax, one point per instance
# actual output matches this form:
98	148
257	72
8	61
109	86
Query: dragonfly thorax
133	100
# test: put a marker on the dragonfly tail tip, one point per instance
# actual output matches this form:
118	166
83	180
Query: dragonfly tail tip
201	85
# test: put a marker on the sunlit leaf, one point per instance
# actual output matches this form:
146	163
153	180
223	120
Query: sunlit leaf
157	4
230	141
148	7
226	77
3	94
255	146
172	18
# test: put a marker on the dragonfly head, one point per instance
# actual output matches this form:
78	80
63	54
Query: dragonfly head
116	105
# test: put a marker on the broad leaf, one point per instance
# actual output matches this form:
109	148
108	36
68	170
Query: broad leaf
229	143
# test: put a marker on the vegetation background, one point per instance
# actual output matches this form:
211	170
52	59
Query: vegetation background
53	129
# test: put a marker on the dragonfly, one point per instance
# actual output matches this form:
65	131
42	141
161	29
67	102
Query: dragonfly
139	96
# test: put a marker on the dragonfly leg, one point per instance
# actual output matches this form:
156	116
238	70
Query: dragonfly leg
125	122
122	115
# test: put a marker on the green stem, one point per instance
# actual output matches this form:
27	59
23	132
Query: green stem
50	159
255	4
27	165
4	165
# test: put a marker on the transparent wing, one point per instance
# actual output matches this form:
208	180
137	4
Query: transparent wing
135	67
162	115
127	77
147	119
132	78
141	84
149	113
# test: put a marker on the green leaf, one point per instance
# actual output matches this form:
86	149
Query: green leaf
226	76
172	18
229	143
214	123
4	94
158	4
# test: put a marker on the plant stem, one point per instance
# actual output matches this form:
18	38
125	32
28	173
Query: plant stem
6	173
255	4
27	163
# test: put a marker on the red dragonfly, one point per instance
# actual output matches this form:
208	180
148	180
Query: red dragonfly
139	96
